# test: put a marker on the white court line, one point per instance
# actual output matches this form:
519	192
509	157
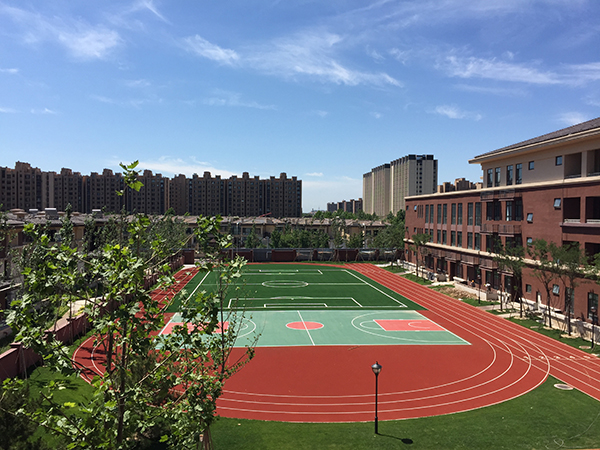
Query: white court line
379	290
171	319
306	328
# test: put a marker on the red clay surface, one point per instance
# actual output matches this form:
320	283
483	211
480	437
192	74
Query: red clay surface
336	384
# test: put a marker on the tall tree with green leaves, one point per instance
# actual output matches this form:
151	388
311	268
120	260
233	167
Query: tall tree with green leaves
418	241
569	261
543	270
510	258
165	385
252	241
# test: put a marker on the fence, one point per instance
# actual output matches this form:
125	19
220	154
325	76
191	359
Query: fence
315	254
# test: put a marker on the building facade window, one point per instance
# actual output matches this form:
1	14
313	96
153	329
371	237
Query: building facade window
498	177
459	214
558	161
469	240
509	211
453	238
518	209
477	241
439	213
592	305
444	214
490	178
509	175
469	213
459	238
519	173
439	236
453	214
478	214
531	165
444	236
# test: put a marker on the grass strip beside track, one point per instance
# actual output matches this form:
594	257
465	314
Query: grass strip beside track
546	418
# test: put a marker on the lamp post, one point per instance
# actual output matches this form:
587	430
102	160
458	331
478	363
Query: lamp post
376	369
594	311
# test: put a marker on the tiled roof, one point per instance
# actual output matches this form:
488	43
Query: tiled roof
584	126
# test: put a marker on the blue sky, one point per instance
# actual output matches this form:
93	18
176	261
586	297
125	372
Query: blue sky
321	90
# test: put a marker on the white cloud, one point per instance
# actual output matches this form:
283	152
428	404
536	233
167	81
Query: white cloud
81	39
583	73
141	83
43	111
7	110
376	115
399	55
512	92
132	102
89	43
572	118
170	166
314	174
454	112
11	71
320	113
312	54
375	54
226	98
201	47
493	69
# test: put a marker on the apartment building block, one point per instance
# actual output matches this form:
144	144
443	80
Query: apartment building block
386	187
29	188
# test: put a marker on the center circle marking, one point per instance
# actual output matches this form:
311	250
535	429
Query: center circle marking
304	325
284	283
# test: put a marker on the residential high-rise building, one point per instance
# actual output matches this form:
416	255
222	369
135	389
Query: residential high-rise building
28	188
386	186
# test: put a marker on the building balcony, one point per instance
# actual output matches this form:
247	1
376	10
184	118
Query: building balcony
509	229
470	260
488	264
489	228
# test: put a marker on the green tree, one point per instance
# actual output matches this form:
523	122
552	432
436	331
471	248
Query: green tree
252	241
418	241
165	384
543	271
510	258
569	262
356	240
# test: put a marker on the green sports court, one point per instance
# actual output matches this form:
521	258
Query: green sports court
302	305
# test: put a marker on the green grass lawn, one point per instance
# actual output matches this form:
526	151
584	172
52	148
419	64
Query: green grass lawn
545	419
416	279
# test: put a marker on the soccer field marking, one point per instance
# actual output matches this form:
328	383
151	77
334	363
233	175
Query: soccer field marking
284	283
199	284
402	305
308	332
293	303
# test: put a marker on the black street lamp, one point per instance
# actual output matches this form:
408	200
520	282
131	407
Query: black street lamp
376	369
594	312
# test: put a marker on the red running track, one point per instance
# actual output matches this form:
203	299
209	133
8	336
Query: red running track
336	384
